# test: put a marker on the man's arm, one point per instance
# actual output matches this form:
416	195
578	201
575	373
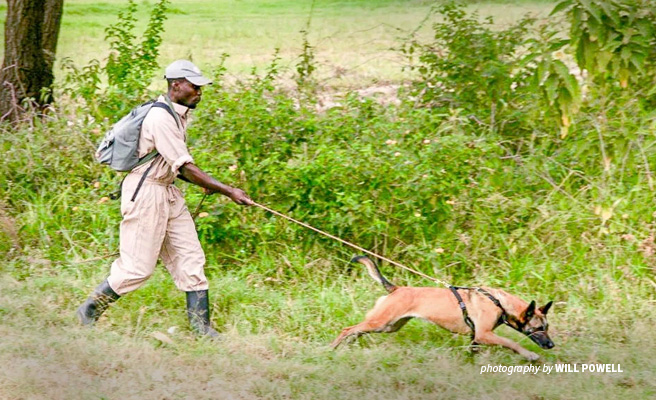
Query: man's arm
197	176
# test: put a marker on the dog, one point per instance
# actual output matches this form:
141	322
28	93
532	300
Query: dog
485	308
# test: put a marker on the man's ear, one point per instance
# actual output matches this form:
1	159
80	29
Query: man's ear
530	310
545	308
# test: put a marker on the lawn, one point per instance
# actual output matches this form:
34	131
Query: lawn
353	39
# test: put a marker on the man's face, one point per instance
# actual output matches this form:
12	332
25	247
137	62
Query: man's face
186	93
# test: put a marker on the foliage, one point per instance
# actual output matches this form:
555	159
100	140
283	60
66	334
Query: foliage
613	39
306	65
131	66
129	69
494	75
551	77
469	65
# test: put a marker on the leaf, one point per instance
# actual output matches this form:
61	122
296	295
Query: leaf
559	44
551	89
610	12
592	10
596	31
560	7
603	58
567	78
542	72
528	59
638	61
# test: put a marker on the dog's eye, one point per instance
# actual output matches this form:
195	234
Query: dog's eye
530	331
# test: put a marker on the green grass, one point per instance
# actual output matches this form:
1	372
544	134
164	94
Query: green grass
276	345
352	38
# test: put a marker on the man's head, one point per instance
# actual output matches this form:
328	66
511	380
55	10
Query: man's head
185	81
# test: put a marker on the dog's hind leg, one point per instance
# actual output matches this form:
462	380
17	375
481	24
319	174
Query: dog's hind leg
368	326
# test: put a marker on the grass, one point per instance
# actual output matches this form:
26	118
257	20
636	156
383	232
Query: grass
352	38
276	336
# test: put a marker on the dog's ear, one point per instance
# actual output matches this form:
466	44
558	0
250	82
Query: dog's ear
545	308
530	310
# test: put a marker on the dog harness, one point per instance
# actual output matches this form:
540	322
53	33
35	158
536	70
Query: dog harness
465	314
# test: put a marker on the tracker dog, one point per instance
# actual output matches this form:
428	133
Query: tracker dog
461	310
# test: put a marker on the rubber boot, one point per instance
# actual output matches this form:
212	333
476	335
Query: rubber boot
198	311
96	304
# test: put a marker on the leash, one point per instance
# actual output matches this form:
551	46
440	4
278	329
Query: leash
351	245
454	289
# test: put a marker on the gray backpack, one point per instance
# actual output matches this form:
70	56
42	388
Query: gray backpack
119	147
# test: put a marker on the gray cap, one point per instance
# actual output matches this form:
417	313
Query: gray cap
186	69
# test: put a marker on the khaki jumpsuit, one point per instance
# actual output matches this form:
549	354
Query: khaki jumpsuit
157	223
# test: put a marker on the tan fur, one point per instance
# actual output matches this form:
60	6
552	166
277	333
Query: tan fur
440	307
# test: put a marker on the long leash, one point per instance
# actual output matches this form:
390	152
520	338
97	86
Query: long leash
352	245
414	271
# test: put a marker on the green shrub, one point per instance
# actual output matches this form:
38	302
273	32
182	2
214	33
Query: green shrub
112	89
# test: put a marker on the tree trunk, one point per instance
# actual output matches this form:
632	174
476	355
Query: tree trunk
31	32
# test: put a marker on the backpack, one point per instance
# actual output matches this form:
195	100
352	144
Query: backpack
119	147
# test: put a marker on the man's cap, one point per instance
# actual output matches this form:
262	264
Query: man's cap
186	69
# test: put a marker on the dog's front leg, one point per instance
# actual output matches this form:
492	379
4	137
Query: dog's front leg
491	338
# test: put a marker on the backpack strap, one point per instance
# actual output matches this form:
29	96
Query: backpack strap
168	107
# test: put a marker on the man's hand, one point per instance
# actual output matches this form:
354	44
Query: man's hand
240	197
210	185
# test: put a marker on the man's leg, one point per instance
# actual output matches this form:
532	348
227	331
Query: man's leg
142	232
184	258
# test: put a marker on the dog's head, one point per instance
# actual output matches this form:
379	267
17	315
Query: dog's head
534	324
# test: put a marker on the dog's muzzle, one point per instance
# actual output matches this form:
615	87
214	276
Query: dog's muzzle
542	340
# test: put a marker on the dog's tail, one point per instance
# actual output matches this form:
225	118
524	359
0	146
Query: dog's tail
374	272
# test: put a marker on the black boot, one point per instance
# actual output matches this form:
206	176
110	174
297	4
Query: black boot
96	304
198	311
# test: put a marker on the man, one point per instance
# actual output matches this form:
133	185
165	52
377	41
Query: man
156	222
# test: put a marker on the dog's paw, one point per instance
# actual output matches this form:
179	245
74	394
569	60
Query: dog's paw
532	356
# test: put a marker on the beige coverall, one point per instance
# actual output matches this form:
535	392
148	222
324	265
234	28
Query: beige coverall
157	223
